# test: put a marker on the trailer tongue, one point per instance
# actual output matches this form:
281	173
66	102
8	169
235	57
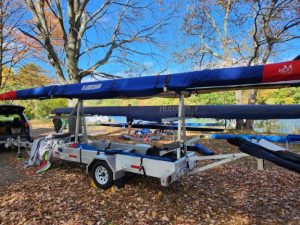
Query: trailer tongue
109	161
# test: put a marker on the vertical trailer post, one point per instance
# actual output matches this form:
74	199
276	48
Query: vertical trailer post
260	164
78	122
84	123
181	123
66	123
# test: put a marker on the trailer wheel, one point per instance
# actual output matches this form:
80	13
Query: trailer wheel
102	175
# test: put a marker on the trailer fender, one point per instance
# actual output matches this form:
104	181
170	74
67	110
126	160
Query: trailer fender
110	162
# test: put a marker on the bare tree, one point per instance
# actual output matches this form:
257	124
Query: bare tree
275	22
231	33
79	37
12	49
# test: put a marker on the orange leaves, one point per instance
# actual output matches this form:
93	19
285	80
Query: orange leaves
29	75
28	42
54	28
32	75
235	194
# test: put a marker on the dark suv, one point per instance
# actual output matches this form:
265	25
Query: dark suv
13	123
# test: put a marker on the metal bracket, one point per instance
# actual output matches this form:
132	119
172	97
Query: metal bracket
191	141
225	158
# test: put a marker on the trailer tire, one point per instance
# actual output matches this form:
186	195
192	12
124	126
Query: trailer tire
102	175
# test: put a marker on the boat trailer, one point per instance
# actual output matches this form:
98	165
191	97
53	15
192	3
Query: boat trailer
108	161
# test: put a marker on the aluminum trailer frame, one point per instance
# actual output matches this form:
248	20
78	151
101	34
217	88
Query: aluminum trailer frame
126	161
141	163
119	164
262	76
19	143
11	142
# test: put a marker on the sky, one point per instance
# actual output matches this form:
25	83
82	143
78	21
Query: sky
162	59
171	36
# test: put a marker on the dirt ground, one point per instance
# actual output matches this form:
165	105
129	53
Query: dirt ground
9	173
235	193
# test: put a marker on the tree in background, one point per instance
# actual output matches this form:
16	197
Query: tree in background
215	98
32	75
228	33
12	48
78	37
279	96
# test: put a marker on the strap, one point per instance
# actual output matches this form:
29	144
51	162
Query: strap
80	150
108	146
142	168
167	81
98	152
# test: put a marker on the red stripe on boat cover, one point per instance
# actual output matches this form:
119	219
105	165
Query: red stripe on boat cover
281	72
11	95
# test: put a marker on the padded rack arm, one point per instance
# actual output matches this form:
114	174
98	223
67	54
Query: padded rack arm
225	158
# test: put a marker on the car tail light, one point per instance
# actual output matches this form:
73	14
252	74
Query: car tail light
27	125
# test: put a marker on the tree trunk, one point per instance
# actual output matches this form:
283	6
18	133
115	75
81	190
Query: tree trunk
72	119
73	102
238	100
251	101
1	43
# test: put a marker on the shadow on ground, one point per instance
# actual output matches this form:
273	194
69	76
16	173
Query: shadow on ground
41	132
8	174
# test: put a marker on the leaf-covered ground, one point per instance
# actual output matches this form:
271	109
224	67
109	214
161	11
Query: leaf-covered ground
236	193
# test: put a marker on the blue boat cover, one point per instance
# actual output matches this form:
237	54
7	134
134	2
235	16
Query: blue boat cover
272	138
174	126
285	159
118	151
157	113
279	74
197	147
